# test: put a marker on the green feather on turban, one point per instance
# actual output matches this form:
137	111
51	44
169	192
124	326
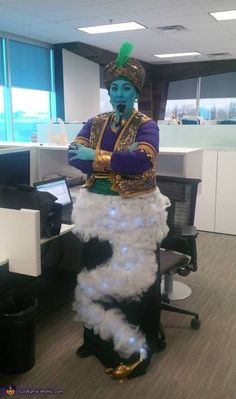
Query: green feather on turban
124	53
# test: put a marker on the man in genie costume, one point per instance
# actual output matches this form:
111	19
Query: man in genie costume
120	216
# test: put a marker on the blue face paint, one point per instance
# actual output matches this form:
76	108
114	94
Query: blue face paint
123	92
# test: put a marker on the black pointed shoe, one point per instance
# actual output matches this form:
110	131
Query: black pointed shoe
84	351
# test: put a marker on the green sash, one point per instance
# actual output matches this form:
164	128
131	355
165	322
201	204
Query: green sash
102	186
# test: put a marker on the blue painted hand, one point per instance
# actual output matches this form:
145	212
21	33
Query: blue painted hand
133	146
81	152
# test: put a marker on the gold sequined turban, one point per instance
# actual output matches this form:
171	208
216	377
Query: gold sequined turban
125	67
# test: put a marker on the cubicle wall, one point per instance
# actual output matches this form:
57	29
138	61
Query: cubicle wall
198	136
215	209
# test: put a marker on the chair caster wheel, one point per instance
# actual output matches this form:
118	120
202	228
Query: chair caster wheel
165	298
161	345
195	324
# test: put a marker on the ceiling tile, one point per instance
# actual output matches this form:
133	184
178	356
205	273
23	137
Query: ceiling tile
54	21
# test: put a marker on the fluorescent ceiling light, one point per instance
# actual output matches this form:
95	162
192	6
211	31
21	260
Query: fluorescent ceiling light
224	15
177	54
112	28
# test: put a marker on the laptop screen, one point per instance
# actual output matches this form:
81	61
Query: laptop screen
57	187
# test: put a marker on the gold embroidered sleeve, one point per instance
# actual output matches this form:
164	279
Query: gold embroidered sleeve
102	161
149	150
81	140
145	119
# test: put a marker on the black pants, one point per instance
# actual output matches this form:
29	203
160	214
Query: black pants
145	313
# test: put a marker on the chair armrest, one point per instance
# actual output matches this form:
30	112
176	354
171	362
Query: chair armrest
189	231
183	239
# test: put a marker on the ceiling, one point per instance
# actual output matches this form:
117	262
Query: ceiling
55	22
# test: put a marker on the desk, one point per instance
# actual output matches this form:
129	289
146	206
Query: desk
3	261
51	160
180	162
20	242
45	159
65	228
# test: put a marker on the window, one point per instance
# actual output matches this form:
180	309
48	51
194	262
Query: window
2	117
179	108
105	105
211	97
222	85
29	107
217	108
183	89
2	105
217	99
27	95
30	66
182	98
32	83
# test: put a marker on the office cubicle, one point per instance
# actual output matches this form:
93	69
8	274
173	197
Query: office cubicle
14	166
215	209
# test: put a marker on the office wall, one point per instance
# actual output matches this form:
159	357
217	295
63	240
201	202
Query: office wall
81	80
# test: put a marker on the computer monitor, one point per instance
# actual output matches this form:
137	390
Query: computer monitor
14	167
57	187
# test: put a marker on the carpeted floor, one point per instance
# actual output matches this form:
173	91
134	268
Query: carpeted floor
195	365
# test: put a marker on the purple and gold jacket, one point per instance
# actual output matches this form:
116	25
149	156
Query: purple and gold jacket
131	173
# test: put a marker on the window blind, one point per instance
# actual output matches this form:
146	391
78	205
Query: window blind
182	89
30	66
218	86
1	64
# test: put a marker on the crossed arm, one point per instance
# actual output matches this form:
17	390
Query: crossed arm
135	160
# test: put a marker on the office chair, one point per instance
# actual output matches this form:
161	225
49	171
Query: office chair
178	252
190	122
227	122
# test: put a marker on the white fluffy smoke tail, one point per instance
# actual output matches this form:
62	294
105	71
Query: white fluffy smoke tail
133	227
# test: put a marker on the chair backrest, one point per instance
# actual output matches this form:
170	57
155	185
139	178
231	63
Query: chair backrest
182	193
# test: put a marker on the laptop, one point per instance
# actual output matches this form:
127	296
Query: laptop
59	188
